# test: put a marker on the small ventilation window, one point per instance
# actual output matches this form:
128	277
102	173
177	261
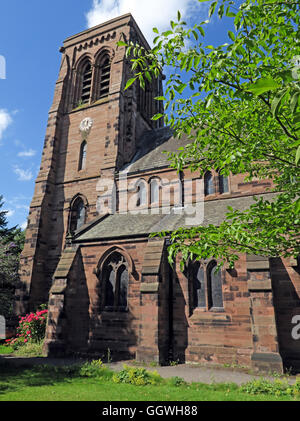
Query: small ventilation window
82	156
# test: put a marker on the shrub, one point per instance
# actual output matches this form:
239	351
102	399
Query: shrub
32	327
92	369
15	343
277	387
177	381
137	376
30	349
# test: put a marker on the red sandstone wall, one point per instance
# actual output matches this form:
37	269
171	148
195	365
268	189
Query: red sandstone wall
215	337
90	327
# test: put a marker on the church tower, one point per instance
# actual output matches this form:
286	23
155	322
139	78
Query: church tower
93	130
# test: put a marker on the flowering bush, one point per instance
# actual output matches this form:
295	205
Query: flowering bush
32	326
31	329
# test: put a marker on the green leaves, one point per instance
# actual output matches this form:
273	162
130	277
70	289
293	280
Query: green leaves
263	85
231	35
238	102
297	159
157	117
130	82
212	8
122	44
277	101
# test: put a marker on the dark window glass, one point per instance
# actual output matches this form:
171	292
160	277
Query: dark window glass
115	278
214	284
223	184
77	215
82	156
141	194
209	186
123	286
110	284
198	284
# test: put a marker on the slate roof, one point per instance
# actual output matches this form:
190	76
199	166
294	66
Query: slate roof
122	225
151	146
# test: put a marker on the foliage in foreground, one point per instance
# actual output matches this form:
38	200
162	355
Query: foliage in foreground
137	376
11	244
89	379
239	104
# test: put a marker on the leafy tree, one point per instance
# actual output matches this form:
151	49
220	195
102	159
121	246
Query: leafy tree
239	104
11	245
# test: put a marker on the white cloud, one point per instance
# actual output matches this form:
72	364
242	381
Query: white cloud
27	154
147	13
9	212
5	121
23	175
24	225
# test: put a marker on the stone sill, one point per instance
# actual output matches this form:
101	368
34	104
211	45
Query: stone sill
210	316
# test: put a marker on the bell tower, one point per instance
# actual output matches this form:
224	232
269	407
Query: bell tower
93	129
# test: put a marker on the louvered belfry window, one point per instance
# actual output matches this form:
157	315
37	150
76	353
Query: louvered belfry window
86	83
104	77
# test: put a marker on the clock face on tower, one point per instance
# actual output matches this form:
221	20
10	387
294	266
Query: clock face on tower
86	125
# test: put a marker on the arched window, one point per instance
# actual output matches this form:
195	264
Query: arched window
82	156
141	194
77	215
86	82
154	190
115	282
102	77
209	186
223	183
145	100
214	286
197	285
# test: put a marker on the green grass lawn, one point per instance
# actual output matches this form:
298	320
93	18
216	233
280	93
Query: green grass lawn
61	384
4	349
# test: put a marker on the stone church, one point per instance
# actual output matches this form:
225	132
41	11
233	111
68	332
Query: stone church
107	281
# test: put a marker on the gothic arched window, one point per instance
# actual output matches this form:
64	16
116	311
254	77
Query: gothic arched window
197	283
154	190
77	215
223	183
141	194
102	78
209	186
115	282
86	82
214	286
82	156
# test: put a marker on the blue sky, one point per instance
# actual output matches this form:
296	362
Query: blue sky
31	33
